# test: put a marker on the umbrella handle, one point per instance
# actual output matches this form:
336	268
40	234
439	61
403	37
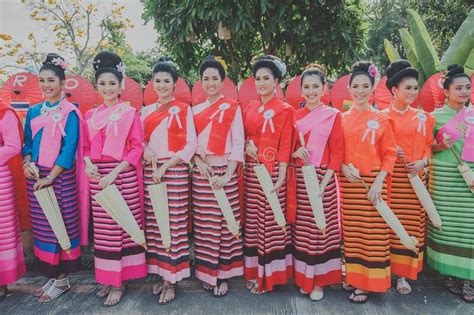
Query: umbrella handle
302	139
456	156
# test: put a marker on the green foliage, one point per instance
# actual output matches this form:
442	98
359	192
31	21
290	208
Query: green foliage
409	45
391	51
300	32
461	45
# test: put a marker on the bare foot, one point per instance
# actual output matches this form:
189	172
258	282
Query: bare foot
115	296
359	296
157	288
167	295
221	289
403	287
44	288
103	291
59	287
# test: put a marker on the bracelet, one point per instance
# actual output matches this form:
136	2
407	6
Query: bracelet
50	178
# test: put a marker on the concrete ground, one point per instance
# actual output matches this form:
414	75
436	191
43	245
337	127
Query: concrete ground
428	297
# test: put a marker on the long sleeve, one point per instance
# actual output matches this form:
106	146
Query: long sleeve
429	139
336	145
28	135
86	142
388	148
285	146
238	138
11	138
134	149
69	143
190	147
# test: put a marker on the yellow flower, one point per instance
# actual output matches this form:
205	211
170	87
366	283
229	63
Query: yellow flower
221	60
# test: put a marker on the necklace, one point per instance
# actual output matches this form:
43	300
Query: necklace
46	109
114	116
402	111
163	108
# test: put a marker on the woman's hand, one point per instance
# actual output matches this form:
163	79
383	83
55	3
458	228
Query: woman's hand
30	172
159	173
351	173
375	192
148	155
203	167
42	183
218	182
302	153
415	167
108	179
447	143
252	151
92	171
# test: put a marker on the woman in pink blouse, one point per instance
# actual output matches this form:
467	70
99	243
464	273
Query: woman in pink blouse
114	144
170	142
219	253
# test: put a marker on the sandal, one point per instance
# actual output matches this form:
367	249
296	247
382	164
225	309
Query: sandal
467	293
164	294
207	287
403	287
354	294
103	291
217	288
452	285
56	290
38	293
317	294
251	284
115	291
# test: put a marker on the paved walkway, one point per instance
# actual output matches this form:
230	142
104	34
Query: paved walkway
428	297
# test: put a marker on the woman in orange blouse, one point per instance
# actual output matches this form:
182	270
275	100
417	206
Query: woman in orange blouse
370	154
269	126
414	136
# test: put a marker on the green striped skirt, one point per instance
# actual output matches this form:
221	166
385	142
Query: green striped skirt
451	251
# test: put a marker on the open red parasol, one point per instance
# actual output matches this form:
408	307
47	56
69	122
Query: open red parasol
80	92
248	92
181	92
198	94
293	93
472	90
383	97
340	96
432	94
21	91
131	93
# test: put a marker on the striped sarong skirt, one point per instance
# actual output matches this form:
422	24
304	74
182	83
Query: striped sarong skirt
317	257
408	209
117	257
172	265
267	247
12	261
218	254
451	251
52	259
366	238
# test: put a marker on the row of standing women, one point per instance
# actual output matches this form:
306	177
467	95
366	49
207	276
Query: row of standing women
360	157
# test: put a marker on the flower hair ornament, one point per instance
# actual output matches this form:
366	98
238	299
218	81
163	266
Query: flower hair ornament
373	71
221	60
59	62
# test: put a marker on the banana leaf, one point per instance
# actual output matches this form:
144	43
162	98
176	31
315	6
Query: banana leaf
427	56
469	65
461	45
391	51
409	45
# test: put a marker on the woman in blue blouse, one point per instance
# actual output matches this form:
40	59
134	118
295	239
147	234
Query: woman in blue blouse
49	151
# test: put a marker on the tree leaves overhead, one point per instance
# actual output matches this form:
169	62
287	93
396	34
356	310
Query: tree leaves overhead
300	32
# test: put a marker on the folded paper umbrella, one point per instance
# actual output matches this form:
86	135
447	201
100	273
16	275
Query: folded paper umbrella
472	90
266	183
293	93
111	200
392	221
49	204
314	193
383	97
159	202
181	93
432	94
248	92
466	172
198	94
340	96
425	199
227	212
80	92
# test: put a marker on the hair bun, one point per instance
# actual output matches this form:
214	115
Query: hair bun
106	59
361	66
453	70
396	67
315	66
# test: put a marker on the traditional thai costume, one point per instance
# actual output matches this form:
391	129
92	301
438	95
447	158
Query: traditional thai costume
268	247
451	251
169	131
52	137
219	255
317	256
370	146
12	197
414	134
114	134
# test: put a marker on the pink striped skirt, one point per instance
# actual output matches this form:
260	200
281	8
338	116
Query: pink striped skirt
117	257
12	261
